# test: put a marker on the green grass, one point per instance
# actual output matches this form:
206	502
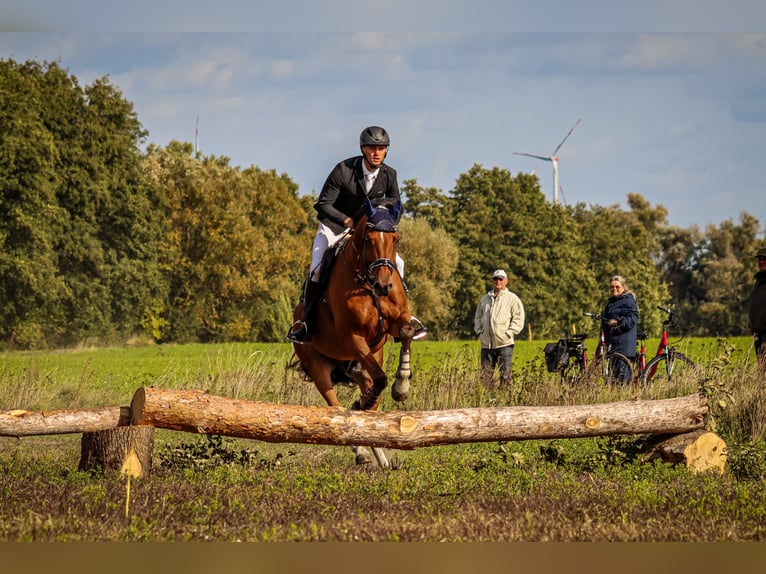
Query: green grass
225	489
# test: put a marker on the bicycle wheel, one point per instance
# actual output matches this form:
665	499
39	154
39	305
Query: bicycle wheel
618	369
674	366
572	373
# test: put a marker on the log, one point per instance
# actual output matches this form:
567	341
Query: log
197	412
699	450
126	449
18	423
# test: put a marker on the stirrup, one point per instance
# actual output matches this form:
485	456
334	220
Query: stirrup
298	332
420	328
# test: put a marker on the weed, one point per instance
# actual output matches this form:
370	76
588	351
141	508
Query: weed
211	451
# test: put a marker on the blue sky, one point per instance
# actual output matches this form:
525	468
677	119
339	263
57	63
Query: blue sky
672	97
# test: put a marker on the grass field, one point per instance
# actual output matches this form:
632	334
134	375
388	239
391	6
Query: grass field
82	378
224	489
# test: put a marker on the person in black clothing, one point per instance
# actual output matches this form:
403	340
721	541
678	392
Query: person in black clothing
757	317
621	320
340	205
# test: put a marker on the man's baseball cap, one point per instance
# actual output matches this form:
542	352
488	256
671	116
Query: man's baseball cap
499	273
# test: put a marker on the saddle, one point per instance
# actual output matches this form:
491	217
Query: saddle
328	259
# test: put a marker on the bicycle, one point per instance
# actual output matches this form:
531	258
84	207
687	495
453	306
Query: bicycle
668	363
569	357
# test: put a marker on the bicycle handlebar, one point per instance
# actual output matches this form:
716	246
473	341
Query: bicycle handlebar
671	320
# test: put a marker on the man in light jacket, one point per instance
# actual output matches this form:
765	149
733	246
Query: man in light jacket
499	318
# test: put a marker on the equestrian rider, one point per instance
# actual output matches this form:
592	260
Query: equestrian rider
341	204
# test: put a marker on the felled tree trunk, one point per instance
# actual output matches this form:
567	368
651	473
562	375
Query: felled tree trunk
125	449
699	450
198	412
20	422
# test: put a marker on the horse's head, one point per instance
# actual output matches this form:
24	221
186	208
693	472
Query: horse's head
379	237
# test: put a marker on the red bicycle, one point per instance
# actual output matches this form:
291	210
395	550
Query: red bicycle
668	363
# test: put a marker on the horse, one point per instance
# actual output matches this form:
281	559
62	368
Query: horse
363	303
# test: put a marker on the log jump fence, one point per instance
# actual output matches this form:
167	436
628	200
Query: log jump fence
121	438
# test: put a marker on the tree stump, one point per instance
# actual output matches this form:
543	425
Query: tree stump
127	450
699	450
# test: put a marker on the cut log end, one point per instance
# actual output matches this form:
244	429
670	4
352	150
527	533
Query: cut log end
137	405
699	450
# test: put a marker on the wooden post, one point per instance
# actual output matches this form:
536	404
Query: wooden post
124	449
198	412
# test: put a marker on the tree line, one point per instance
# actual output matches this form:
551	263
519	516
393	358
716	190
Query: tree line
105	243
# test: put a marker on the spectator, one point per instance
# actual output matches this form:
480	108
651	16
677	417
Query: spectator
498	319
757	317
621	321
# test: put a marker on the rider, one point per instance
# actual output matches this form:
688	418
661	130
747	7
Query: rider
341	204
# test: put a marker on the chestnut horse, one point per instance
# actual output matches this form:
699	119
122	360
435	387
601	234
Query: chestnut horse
363	303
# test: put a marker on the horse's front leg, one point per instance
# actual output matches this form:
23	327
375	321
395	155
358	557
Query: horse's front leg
363	456
400	391
370	397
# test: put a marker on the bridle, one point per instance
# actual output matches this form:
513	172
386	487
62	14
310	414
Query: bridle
366	277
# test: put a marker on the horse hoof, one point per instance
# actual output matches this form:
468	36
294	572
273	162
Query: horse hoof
400	391
399	397
363	458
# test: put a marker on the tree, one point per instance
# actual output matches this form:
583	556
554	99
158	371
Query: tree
504	222
720	279
237	245
431	258
79	230
624	243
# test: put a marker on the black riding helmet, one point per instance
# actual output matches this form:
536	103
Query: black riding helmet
374	135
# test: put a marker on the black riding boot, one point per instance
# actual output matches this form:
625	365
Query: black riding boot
299	332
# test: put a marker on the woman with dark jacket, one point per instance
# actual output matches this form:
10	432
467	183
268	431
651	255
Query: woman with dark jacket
621	318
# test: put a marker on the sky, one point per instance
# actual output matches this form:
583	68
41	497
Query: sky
670	96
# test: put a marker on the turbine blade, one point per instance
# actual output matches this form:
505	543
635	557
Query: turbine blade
569	133
535	156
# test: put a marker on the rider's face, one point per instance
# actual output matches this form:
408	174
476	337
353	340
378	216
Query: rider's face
374	155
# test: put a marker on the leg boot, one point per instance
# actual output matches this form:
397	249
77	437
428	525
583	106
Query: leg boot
299	332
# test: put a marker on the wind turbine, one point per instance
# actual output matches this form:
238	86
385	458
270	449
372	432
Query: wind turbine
555	161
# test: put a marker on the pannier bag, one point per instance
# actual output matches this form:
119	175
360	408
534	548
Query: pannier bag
556	355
